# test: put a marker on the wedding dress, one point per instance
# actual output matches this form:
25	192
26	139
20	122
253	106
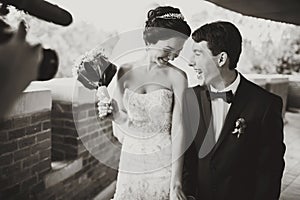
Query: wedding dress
145	162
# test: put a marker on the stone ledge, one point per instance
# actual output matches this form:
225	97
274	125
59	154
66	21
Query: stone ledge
68	90
62	171
33	99
107	193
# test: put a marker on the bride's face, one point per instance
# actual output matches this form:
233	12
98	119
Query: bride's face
165	50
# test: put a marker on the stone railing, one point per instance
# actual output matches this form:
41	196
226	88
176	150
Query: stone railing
277	84
294	92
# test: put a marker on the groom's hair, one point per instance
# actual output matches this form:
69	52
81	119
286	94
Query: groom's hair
221	36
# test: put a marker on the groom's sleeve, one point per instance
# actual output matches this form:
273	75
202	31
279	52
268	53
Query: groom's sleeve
271	162
190	163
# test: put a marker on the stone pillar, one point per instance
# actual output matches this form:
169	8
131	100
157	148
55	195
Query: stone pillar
278	84
294	92
275	83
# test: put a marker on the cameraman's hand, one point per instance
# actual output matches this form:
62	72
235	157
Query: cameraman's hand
19	62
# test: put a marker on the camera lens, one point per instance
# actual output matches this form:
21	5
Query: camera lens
48	66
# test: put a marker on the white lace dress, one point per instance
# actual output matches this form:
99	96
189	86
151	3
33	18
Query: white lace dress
145	162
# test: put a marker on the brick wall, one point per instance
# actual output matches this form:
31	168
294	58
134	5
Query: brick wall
76	132
64	134
74	125
30	143
25	149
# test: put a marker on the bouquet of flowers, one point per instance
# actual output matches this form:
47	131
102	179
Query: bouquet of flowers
95	71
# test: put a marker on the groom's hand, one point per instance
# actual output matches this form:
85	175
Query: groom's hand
190	198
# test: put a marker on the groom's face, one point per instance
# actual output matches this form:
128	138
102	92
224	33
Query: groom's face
204	63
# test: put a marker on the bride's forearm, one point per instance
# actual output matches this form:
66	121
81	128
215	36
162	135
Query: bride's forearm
120	117
176	178
177	157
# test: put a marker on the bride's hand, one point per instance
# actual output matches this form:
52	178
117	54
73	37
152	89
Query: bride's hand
176	193
107	109
104	109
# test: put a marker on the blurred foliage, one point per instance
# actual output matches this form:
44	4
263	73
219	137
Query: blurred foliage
268	47
289	61
69	42
280	56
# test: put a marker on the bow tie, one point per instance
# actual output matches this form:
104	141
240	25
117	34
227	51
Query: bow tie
226	96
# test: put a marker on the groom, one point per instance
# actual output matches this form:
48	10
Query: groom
234	128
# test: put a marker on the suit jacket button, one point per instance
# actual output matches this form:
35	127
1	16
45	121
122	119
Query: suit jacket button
214	189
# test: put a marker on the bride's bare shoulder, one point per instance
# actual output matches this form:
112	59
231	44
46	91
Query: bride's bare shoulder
176	73
128	68
124	69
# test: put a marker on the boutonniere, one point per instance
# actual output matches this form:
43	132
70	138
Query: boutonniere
240	126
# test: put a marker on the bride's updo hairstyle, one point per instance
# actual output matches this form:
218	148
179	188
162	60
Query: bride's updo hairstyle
165	22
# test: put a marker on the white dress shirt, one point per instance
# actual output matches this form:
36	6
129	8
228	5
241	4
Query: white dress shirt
220	108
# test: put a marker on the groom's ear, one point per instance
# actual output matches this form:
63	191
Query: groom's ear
222	58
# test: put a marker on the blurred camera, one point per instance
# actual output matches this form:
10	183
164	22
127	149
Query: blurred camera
49	63
43	10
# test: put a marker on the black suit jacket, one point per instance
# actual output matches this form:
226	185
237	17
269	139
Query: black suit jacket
248	167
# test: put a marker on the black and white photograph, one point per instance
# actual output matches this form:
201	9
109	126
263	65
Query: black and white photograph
150	100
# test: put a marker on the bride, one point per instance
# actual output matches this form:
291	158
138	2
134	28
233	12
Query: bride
146	105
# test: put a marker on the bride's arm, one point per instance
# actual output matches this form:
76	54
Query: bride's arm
117	109
177	134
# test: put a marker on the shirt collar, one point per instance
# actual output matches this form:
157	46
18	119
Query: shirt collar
233	86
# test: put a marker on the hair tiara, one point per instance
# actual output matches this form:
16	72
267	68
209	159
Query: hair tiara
171	16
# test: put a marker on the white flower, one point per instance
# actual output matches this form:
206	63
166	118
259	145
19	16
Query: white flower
93	56
240	126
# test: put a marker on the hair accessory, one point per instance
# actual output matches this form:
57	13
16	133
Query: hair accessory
171	16
151	14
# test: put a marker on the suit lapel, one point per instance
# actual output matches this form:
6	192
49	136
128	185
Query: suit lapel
205	108
236	108
208	133
192	115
